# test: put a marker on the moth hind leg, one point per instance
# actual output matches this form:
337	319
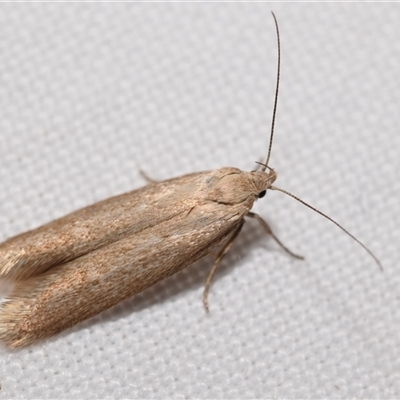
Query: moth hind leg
221	254
268	231
147	177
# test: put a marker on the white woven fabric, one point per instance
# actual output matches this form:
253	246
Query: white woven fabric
91	93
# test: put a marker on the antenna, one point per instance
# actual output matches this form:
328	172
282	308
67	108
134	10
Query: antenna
332	220
278	74
271	137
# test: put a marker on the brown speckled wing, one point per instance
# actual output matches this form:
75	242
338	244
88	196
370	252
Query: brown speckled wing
104	277
95	226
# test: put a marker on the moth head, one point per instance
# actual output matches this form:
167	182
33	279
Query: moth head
263	181
233	186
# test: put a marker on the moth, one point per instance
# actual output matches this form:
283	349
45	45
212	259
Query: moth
92	259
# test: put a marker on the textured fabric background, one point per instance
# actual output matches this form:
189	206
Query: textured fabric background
91	93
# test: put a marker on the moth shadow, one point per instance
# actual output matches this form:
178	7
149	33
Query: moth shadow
189	279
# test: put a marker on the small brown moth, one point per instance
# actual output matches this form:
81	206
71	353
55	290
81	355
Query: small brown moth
90	260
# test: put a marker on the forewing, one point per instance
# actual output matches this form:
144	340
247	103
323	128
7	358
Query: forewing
69	293
98	225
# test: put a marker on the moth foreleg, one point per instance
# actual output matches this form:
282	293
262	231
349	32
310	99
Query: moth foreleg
268	231
221	254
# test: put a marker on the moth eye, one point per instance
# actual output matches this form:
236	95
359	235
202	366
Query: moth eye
262	194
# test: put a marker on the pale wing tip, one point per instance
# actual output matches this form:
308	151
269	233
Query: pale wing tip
10	338
17	265
9	264
11	341
12	334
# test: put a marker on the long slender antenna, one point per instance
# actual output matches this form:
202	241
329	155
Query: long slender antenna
332	220
278	74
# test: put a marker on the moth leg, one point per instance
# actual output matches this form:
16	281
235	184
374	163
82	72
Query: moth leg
268	231
221	254
146	177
